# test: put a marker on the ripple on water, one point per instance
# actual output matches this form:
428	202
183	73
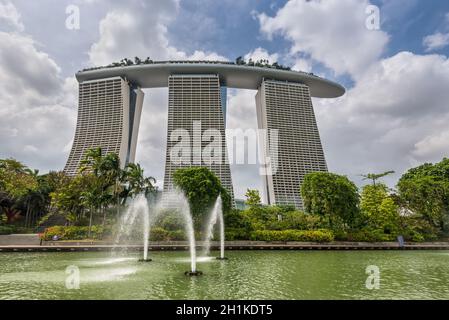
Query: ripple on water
246	275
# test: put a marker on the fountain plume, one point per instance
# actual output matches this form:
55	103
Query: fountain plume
215	215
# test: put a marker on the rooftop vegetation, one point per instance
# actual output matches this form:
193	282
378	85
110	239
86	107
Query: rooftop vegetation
262	63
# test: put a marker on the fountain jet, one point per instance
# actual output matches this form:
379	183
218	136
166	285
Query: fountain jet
177	200
215	215
137	210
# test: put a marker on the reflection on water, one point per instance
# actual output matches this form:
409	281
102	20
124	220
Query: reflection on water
198	259
246	275
106	261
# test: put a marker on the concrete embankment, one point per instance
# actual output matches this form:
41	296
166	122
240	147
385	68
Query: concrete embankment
32	244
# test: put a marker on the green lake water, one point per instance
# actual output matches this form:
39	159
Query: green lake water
246	275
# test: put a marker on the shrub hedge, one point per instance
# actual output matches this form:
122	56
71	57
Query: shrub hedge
161	234
293	235
4	230
73	233
232	234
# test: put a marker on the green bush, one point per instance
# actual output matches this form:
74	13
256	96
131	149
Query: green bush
370	235
238	219
177	235
293	235
73	233
417	229
4	230
296	220
377	235
415	237
232	234
49	233
159	234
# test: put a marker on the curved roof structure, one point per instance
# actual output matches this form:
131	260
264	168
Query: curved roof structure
155	75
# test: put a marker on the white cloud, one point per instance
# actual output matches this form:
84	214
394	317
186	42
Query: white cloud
34	71
433	146
201	55
36	105
436	41
302	65
140	30
332	32
10	15
261	54
394	117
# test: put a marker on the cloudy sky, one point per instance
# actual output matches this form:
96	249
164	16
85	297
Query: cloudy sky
394	115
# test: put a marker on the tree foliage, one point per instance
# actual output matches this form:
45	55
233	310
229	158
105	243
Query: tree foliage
379	210
100	184
376	176
332	196
252	197
24	195
201	187
425	191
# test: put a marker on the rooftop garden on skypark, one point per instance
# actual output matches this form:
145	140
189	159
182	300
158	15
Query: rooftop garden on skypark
262	63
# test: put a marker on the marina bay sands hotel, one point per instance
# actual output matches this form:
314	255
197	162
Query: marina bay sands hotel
110	106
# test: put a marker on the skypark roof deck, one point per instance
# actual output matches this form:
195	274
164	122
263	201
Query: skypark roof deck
155	75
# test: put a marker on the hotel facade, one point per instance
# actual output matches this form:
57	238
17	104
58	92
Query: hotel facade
110	106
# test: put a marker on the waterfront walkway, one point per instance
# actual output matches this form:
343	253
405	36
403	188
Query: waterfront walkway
67	246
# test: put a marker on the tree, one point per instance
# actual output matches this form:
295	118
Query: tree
376	176
332	196
379	210
425	191
92	161
95	196
112	175
68	198
12	165
201	187
136	181
252	197
17	184
106	169
92	196
35	202
14	178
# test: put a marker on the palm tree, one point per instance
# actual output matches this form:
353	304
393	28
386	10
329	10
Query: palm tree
92	161
7	206
12	165
111	175
376	176
148	185
32	172
35	202
92	199
136	181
